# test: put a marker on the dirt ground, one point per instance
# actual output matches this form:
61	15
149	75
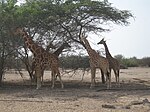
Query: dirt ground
18	95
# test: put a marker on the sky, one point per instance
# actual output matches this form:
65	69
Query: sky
134	39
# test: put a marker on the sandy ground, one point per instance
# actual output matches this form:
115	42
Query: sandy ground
18	95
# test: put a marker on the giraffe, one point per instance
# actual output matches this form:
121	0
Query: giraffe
96	61
60	49
113	63
50	45
56	53
42	58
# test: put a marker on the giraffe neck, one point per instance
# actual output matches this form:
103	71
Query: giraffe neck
107	51
59	50
30	43
87	46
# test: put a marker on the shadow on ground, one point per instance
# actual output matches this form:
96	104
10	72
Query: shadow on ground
74	90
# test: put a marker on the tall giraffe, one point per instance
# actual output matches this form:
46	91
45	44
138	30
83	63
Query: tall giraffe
42	58
57	53
97	61
113	63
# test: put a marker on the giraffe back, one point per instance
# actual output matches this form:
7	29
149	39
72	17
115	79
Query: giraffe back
98	61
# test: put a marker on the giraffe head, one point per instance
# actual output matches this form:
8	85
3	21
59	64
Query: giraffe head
66	45
102	41
83	37
18	30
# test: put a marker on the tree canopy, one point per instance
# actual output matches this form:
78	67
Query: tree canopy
64	20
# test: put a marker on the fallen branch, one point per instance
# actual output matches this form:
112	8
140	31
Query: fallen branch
145	101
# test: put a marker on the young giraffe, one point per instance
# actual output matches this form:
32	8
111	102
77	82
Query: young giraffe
113	63
97	61
60	49
57	53
42	58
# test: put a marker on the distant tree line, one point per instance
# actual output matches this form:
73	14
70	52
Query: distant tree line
73	62
77	61
133	61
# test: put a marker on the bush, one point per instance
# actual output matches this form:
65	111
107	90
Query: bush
145	61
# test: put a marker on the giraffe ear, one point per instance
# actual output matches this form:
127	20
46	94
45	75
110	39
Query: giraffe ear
83	36
104	40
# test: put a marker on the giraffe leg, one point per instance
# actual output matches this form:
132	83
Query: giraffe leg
38	75
42	72
94	78
51	76
56	77
116	75
38	83
116	72
93	70
108	75
53	79
118	78
107	79
34	78
62	86
102	77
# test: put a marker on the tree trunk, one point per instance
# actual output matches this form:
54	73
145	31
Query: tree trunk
1	69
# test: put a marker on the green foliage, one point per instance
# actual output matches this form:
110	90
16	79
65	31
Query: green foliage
145	61
68	18
6	42
131	62
119	57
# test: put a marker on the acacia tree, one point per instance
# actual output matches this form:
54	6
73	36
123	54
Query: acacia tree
6	41
58	20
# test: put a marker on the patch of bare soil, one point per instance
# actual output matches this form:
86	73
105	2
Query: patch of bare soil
18	95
